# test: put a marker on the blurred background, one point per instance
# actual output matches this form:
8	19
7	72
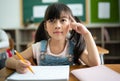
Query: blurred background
20	19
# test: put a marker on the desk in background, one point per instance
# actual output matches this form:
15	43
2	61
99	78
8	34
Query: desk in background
5	72
102	51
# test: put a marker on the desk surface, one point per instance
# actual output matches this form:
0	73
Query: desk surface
5	72
102	50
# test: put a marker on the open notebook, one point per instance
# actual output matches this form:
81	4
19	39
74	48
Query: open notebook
96	73
43	73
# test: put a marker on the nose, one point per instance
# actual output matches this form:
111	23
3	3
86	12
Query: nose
57	25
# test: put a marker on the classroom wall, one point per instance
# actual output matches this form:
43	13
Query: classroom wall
9	13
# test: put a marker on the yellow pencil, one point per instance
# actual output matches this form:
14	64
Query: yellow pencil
20	57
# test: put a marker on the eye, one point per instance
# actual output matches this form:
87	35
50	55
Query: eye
63	20
51	20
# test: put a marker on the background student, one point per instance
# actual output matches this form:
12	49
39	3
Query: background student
53	46
4	39
4	44
6	47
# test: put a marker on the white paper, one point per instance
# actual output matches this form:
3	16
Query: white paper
77	9
103	10
49	1
96	73
46	73
39	11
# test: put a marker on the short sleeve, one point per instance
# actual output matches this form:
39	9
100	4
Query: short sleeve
36	50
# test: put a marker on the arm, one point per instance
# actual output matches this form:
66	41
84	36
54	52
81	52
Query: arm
15	63
4	40
90	55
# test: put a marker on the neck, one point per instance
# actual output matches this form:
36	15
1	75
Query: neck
57	46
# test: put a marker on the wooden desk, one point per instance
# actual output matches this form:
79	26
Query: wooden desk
5	72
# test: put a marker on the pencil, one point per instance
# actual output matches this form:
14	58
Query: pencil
20	57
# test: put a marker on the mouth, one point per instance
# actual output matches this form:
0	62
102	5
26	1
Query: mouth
57	32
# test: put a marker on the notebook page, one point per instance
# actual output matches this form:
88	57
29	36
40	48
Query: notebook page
96	73
43	73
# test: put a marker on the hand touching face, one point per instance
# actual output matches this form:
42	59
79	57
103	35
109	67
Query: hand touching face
78	27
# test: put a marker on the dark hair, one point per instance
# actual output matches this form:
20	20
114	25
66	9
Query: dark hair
41	34
79	43
53	12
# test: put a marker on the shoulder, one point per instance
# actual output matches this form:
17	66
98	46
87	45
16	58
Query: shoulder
2	32
36	48
38	44
3	36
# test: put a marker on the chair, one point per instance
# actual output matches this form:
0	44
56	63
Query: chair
102	51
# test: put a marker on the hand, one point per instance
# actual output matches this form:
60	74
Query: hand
78	27
22	67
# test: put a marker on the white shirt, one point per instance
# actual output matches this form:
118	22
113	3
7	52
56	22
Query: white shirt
4	40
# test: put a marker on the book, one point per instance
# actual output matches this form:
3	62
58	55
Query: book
96	73
43	73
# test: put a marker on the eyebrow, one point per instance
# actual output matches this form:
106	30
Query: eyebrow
64	17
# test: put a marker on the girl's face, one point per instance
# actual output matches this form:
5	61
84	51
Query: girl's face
58	28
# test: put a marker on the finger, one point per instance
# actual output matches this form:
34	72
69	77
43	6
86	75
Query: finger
25	64
22	70
28	62
72	19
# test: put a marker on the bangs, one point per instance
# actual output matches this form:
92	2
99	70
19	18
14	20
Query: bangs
54	11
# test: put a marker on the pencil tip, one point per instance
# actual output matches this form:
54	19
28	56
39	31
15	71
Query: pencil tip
33	73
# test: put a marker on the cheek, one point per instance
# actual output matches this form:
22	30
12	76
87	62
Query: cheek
48	27
67	28
48	30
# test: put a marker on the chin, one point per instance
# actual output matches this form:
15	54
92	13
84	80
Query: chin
59	38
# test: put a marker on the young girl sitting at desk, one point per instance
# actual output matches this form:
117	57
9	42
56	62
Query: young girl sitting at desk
53	46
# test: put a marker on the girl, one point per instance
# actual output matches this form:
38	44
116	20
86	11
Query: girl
52	44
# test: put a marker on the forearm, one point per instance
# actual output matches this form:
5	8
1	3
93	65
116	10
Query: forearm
93	55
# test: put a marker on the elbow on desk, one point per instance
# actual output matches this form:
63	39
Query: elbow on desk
97	63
